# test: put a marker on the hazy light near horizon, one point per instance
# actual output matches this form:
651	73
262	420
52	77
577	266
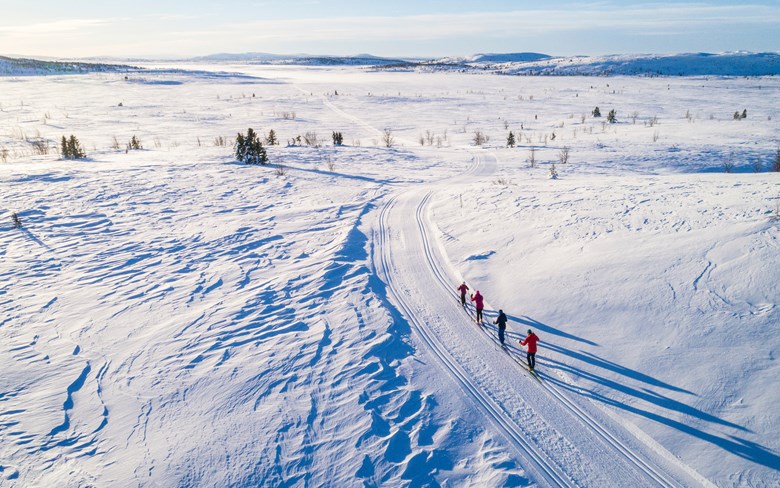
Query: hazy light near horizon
597	28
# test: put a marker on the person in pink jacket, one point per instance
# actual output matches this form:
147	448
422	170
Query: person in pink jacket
479	303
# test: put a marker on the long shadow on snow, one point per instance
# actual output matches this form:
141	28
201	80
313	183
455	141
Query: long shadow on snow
490	316
645	395
32	237
616	368
342	175
544	328
535	325
739	447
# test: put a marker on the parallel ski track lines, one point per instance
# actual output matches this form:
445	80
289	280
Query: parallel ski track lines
587	420
571	406
545	469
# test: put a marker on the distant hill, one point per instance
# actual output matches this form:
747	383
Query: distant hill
524	63
27	67
689	64
496	58
301	59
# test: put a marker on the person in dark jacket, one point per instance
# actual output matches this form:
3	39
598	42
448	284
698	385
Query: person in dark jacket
501	321
463	289
530	341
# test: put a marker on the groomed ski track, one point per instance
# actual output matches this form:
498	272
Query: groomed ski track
559	440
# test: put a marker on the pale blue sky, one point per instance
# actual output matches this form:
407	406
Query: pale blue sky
80	28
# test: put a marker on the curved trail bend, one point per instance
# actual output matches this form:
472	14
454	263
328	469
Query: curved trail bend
558	439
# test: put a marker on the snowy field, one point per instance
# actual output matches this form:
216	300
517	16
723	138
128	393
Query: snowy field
170	317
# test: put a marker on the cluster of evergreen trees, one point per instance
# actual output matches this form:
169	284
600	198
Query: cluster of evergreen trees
70	148
611	116
249	149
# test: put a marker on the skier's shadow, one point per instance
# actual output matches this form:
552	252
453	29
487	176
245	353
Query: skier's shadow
535	325
660	406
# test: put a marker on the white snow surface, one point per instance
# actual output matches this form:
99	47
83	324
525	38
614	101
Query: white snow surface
170	317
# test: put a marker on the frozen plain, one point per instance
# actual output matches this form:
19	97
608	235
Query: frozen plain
172	317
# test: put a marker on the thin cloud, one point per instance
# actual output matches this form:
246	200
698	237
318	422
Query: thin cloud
585	24
54	27
516	23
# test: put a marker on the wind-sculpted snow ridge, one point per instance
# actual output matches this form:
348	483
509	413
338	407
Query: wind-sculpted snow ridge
170	317
144	345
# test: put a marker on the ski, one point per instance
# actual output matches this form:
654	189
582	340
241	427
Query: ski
519	361
504	347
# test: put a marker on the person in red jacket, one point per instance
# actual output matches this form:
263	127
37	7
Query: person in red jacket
463	289
480	304
530	341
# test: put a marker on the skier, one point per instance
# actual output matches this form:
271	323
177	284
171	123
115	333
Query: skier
478	301
530	341
463	289
501	321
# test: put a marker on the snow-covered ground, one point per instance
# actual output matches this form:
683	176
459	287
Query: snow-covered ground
171	317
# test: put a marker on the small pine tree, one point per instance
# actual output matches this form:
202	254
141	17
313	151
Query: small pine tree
71	148
240	147
75	148
271	140
15	220
249	149
612	116
596	112
744	114
510	140
338	138
737	116
257	154
135	144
